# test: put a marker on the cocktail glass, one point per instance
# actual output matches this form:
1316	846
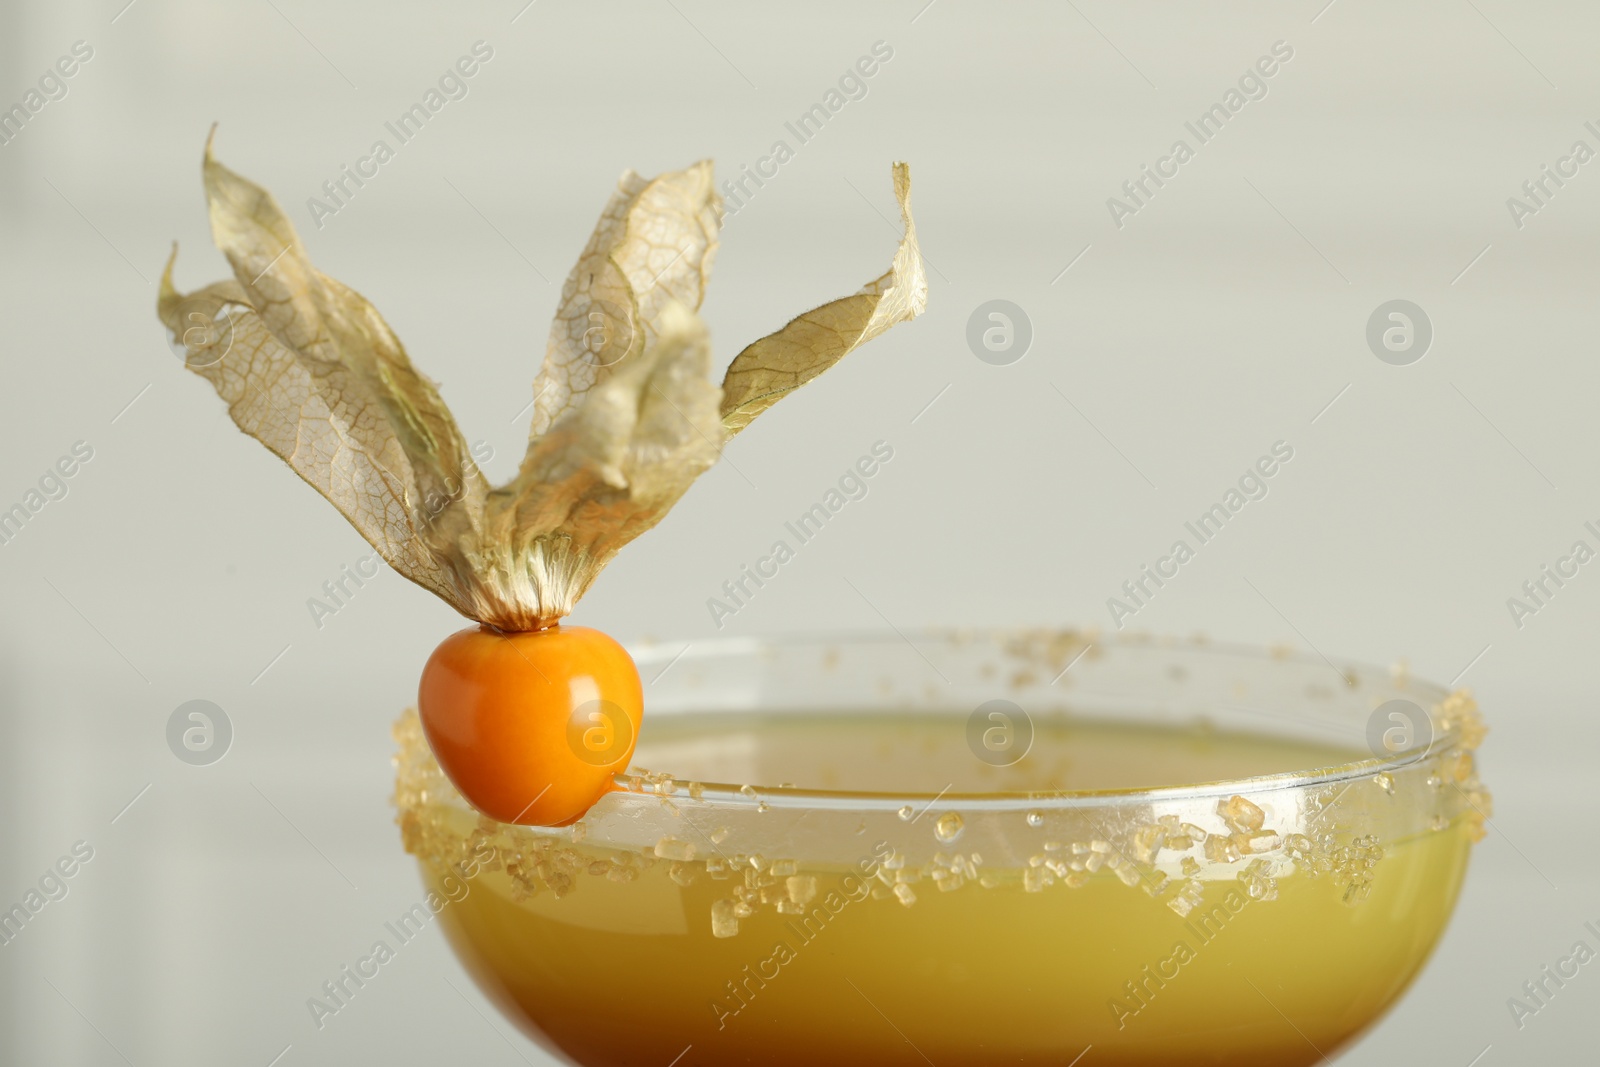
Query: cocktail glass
974	848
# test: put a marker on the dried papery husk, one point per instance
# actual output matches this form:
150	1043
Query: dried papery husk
626	415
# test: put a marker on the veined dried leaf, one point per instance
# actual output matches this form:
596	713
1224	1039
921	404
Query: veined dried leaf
315	374
780	363
652	247
625	419
332	327
606	472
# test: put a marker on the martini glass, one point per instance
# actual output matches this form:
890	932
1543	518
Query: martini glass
972	849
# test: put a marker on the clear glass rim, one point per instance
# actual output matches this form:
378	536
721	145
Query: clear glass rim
721	794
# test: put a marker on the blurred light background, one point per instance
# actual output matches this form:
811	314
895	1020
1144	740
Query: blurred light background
1168	353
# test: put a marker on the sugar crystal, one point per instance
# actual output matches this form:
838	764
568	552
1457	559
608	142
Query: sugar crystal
724	923
1264	841
1147	841
1241	816
802	888
1221	848
671	848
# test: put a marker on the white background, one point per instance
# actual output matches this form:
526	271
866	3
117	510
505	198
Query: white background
1223	317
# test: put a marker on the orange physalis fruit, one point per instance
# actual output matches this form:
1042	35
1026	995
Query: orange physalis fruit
533	725
625	417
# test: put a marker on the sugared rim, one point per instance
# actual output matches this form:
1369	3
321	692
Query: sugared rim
1445	736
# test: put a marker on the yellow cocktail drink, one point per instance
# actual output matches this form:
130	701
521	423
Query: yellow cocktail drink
1214	927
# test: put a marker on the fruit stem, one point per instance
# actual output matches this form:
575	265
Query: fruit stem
540	626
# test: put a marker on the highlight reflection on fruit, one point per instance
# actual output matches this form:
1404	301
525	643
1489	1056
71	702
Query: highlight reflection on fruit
625	417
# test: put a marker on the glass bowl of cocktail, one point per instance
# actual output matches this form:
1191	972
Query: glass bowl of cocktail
973	849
